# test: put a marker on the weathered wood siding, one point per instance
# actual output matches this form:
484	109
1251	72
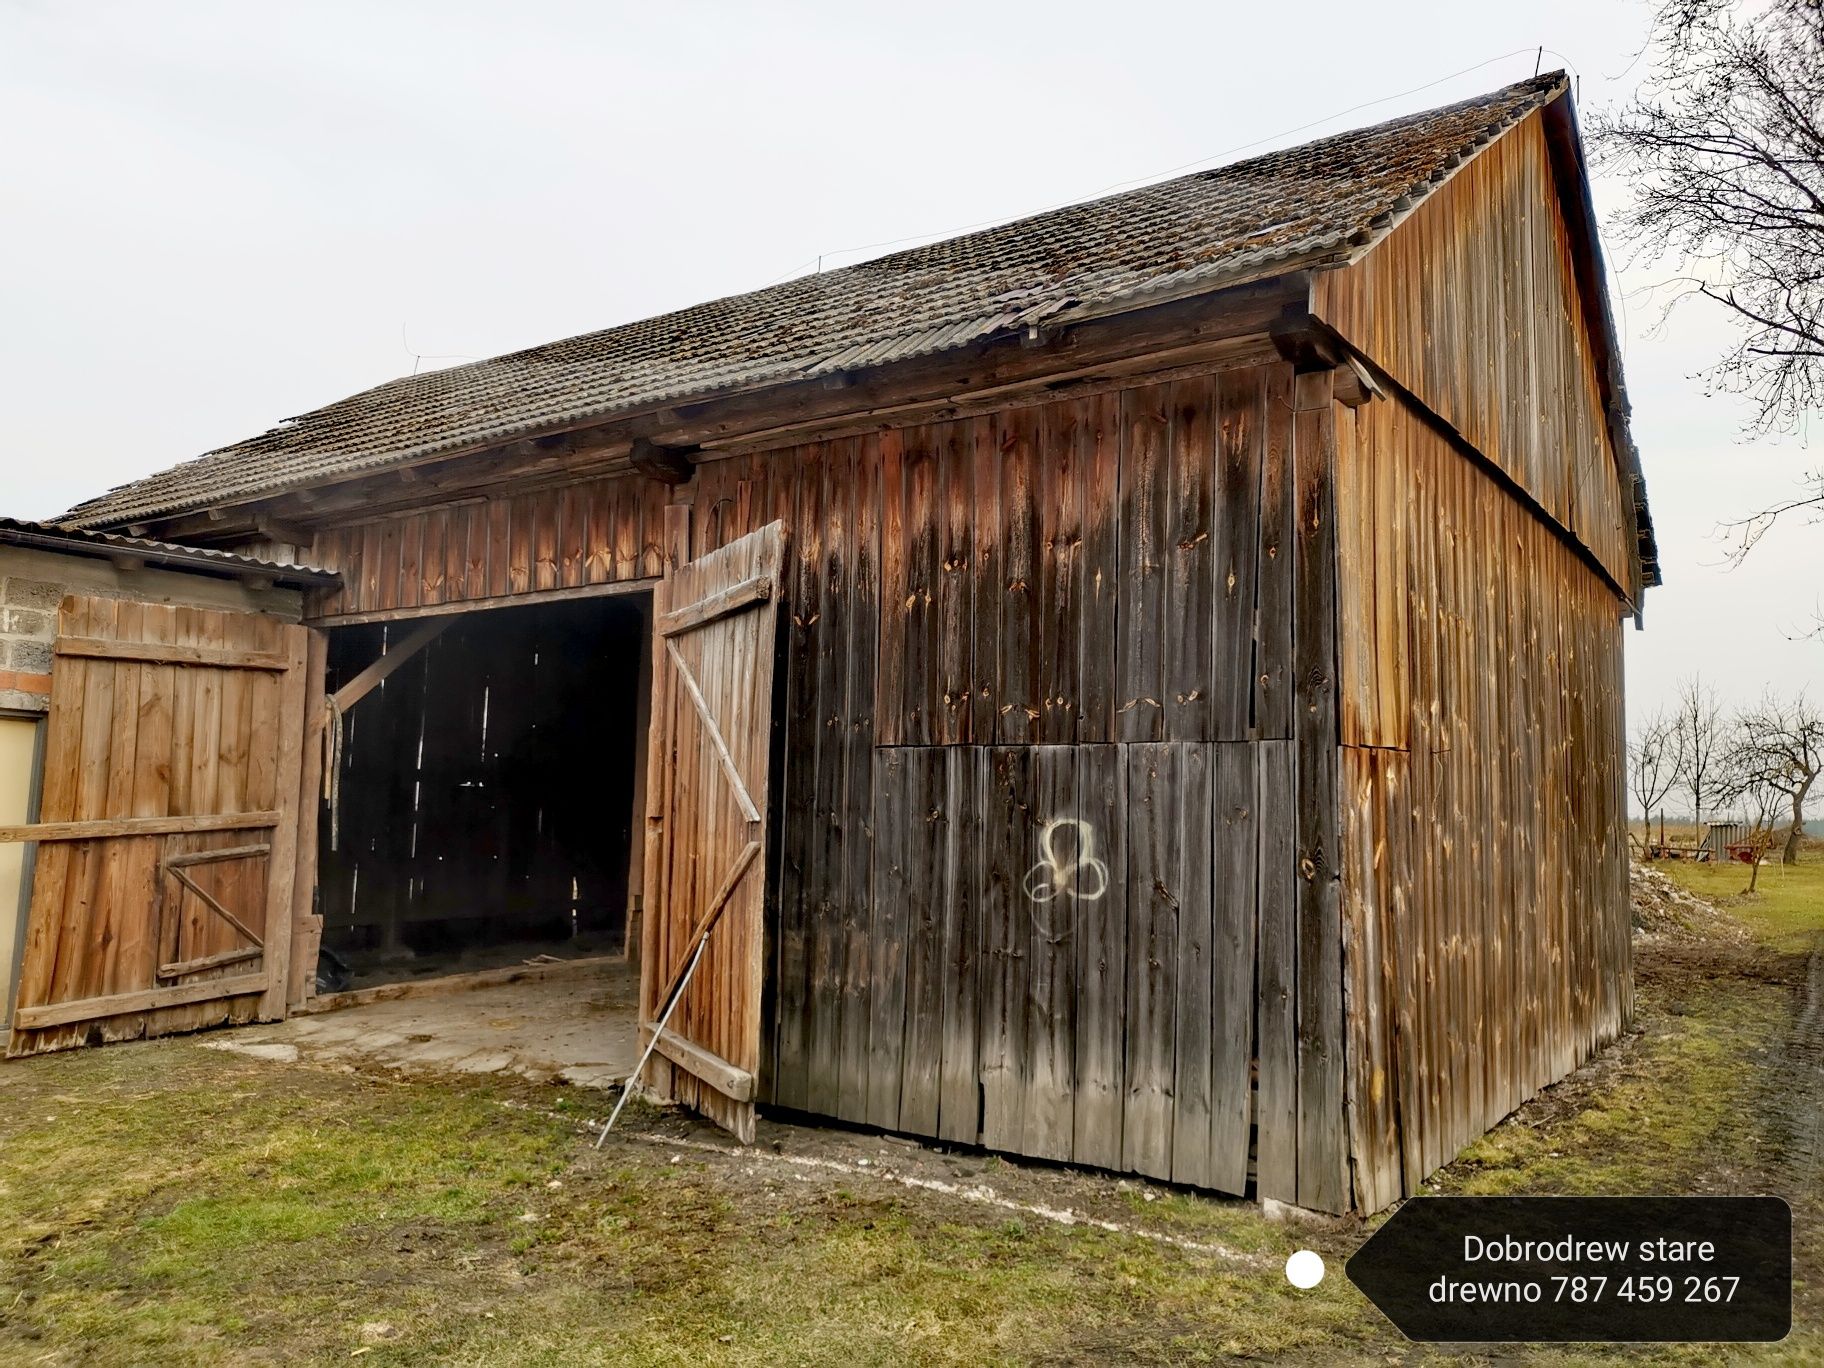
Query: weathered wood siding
1045	813
1473	305
166	741
1485	877
498	546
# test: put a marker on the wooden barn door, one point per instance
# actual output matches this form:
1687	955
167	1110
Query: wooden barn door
715	625
167	825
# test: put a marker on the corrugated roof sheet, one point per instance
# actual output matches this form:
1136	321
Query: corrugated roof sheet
56	536
1244	221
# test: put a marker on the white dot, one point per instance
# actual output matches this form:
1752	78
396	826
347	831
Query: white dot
1305	1268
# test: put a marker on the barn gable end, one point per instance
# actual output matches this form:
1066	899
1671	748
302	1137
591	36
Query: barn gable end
1478	305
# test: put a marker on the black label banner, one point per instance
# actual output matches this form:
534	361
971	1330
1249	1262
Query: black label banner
1618	1269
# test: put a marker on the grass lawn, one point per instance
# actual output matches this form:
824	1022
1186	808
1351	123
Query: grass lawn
1787	907
168	1203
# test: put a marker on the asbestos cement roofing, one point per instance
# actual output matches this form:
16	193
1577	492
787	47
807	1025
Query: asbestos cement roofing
87	541
1245	221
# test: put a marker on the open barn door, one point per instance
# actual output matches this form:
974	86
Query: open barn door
167	829
715	634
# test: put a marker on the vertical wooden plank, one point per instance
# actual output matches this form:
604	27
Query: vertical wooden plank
1182	880
306	922
1139	662
1276	1112
1065	441
1235	824
920	705
911	837
1188	610
1237	536
411	560
500	539
1099	431
1059	865
114	920
1101	957
572	535
1019	641
804	1008
1322	1174
1156	799
960	879
877	945
286	744
981	438
433	567
956	581
1273	677
1005	838
898	599
545	514
374	566
1357	589
524	532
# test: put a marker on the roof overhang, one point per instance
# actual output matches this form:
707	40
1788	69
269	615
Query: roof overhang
137	552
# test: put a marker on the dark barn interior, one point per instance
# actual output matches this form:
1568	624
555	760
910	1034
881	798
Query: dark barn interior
485	793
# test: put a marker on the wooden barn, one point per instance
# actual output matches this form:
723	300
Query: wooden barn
1139	686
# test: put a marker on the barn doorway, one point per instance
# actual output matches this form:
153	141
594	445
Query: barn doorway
484	810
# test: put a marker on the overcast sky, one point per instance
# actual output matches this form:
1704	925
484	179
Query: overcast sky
220	215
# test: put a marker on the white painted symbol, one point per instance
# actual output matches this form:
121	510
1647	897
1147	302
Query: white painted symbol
1084	877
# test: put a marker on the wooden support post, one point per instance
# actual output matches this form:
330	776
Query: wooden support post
306	921
636	847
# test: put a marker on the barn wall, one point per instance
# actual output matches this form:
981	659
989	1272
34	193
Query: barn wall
1484	855
1472	304
502	545
1050	778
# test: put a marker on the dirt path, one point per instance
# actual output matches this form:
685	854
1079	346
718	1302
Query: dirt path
1799	1096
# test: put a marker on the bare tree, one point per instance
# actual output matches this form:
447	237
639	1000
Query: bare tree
1655	765
1697	721
1778	747
1723	148
1740	779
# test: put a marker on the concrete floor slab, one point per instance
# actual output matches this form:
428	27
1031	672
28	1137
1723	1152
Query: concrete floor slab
576	1025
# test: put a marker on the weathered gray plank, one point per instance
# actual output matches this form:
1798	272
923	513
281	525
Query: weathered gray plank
1101	957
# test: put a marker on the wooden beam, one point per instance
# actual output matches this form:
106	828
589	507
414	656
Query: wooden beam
717	605
526	600
1306	342
374	675
727	1079
279	530
1354	385
707	922
146	1000
185	968
102	828
158	653
454	983
668	465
